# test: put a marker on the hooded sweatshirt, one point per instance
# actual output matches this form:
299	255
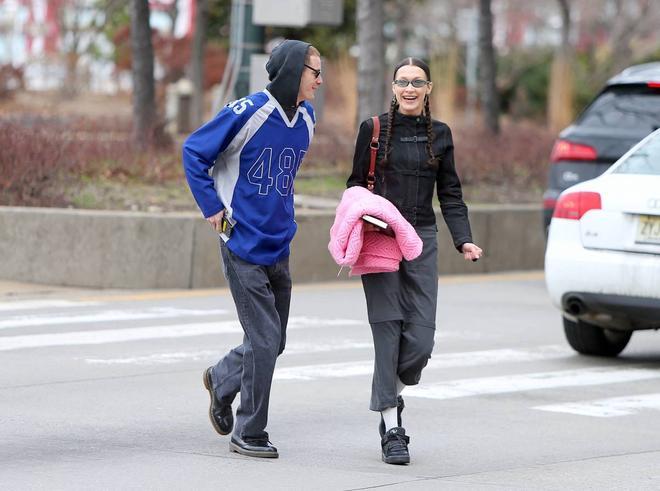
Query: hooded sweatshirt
284	68
253	150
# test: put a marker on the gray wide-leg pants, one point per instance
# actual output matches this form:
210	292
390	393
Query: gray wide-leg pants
401	350
262	295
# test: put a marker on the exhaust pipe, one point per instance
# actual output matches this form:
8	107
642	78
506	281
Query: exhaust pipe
575	306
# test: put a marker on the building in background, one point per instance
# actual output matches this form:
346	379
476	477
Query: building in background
41	36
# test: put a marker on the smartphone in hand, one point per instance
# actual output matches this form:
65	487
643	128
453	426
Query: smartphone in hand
226	226
383	226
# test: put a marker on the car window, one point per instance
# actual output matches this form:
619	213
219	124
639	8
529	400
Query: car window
644	160
633	107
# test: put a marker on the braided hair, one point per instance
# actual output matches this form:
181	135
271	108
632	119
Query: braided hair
388	130
432	161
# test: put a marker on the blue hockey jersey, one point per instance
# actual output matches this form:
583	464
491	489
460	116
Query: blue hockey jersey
254	152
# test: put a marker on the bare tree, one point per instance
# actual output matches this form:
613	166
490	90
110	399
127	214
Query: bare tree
565	8
69	19
560	92
628	24
488	68
440	19
197	63
371	62
401	13
144	99
630	21
172	12
80	25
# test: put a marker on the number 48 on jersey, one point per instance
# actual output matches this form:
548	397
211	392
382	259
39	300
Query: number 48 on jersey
261	172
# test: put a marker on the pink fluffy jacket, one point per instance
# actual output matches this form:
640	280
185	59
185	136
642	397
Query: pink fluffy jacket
370	252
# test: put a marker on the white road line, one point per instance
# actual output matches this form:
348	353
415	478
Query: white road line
531	381
156	359
105	316
154	332
607	408
116	335
295	348
186	356
439	360
42	304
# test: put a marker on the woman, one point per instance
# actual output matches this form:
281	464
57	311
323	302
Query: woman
415	155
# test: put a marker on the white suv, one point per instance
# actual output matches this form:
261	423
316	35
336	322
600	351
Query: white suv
602	262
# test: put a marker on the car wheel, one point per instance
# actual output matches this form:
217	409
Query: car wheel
589	339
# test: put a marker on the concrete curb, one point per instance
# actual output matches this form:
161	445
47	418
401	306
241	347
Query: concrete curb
114	249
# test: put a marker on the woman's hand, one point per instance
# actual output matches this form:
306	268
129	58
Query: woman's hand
471	252
370	227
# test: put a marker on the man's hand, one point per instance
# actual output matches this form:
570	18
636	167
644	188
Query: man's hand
471	252
216	221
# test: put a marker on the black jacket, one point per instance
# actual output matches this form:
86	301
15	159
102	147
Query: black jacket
407	180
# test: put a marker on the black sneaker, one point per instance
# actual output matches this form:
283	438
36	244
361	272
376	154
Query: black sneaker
220	414
399	409
395	446
260	447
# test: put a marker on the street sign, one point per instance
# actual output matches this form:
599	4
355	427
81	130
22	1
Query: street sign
297	13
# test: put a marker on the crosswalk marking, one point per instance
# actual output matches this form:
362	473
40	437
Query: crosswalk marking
115	335
103	336
349	369
105	316
156	358
60	313
531	381
607	408
292	348
42	304
439	360
602	408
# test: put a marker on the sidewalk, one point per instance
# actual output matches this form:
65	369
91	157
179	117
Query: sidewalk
314	202
10	289
137	250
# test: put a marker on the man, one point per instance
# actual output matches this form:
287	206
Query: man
255	146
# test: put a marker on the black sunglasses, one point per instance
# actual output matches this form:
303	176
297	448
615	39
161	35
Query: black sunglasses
317	73
418	83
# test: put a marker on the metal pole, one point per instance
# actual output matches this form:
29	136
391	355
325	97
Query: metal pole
252	42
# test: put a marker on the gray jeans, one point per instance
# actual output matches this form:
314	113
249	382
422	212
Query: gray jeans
262	295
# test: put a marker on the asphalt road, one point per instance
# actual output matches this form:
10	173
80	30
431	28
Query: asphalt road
103	390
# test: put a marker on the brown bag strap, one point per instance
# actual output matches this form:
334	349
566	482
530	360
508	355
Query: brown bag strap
373	146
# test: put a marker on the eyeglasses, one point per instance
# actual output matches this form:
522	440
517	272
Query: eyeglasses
418	83
317	73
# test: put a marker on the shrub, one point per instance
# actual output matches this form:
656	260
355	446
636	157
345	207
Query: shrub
518	156
523	83
42	156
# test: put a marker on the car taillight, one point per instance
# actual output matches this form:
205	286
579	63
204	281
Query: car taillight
565	150
654	85
573	206
549	203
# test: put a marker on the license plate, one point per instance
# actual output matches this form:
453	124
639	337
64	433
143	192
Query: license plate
648	230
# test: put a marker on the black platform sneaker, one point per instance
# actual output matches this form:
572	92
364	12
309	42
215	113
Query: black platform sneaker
395	446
